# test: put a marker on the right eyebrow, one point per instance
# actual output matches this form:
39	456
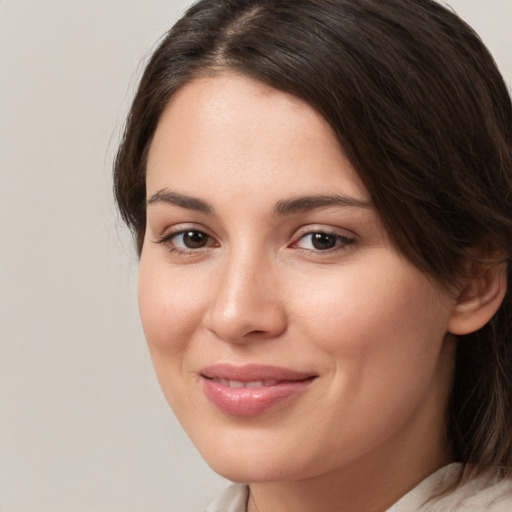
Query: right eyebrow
181	200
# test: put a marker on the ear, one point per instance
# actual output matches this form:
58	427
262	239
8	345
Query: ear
480	297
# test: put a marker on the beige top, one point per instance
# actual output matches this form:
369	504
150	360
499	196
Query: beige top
483	493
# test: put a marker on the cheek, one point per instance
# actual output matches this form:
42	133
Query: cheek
170	310
377	319
379	331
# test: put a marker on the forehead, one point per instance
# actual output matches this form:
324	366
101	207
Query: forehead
234	130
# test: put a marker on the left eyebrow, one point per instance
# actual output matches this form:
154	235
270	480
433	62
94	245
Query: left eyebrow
307	203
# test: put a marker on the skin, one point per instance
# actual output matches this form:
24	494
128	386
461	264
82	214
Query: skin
368	324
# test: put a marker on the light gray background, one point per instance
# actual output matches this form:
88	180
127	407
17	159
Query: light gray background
83	426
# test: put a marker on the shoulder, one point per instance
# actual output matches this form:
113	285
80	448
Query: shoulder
233	499
455	489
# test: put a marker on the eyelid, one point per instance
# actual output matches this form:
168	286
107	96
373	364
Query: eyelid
322	228
348	238
182	227
174	231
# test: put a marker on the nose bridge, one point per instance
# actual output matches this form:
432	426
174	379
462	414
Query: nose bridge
246	301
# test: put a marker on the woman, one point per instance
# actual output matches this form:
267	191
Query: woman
320	195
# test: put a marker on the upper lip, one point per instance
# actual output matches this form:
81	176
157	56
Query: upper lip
253	372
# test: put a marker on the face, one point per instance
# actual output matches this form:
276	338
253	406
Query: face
289	336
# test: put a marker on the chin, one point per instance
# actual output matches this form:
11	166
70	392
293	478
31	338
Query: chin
261	457
244	471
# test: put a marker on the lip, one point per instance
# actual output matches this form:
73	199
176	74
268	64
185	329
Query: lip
269	386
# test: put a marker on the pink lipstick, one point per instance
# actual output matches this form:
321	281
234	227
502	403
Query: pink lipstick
249	390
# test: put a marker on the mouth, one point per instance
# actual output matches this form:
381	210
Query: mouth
236	384
250	390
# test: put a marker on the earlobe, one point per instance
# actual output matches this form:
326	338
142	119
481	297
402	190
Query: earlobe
480	298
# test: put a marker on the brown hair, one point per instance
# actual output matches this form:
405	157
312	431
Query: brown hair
425	118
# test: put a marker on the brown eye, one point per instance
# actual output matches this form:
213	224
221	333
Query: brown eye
187	240
192	239
321	241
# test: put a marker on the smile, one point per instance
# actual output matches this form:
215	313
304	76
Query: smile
251	390
241	384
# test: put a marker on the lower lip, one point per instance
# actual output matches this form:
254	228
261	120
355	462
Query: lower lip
251	401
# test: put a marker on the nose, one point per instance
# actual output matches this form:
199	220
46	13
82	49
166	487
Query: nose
246	303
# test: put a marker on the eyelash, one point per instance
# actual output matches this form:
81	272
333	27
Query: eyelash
341	242
167	239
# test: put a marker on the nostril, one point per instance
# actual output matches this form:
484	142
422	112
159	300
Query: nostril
257	333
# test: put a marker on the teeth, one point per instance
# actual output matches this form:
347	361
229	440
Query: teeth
255	384
240	384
